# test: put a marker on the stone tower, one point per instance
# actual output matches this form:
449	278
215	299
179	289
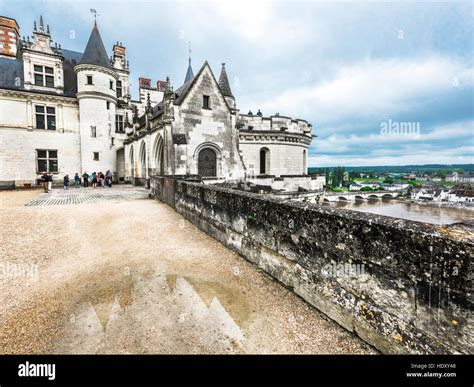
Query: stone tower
96	93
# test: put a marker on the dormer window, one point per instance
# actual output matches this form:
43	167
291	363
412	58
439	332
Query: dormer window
206	102
44	76
89	79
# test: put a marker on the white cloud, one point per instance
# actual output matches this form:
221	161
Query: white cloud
346	143
373	88
448	156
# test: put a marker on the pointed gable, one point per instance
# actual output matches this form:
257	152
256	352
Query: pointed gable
95	52
183	90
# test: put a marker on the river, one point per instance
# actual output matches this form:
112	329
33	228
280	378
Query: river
428	213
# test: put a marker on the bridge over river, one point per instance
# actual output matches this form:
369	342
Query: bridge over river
359	195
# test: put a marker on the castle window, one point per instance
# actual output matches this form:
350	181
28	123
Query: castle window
44	76
108	105
119	89
264	161
305	169
119	123
206	102
93	131
46	160
45	117
89	79
111	85
96	156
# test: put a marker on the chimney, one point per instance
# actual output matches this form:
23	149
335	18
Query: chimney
144	83
10	31
119	52
160	85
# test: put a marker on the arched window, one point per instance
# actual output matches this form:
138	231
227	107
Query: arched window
264	161
305	168
207	162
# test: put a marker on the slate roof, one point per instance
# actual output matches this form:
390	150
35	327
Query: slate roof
71	59
11	73
224	83
95	52
189	73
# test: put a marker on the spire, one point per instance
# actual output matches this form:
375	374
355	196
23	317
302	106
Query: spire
224	83
148	108
95	52
189	73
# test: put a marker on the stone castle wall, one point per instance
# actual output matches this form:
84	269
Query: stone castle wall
401	286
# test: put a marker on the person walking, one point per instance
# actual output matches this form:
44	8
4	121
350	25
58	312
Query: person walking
109	178
102	179
66	181
94	180
50	181
77	181
85	177
44	180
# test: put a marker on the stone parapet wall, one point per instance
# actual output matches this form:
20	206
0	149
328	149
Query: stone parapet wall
401	286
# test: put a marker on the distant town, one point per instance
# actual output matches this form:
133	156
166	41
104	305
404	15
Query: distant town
436	183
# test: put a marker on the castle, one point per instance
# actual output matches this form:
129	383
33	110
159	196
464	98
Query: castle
63	112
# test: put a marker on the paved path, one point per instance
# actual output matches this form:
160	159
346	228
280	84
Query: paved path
133	276
88	195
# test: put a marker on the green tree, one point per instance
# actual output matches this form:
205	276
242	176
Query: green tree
337	177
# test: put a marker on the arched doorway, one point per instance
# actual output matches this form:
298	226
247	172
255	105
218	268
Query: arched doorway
159	156
207	163
120	168
143	160
132	163
264	161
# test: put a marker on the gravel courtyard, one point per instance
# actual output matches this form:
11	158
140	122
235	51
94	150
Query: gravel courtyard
121	273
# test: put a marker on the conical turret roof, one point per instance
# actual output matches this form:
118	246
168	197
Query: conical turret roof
95	52
189	73
224	83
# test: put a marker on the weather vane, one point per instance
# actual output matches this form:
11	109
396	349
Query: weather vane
95	13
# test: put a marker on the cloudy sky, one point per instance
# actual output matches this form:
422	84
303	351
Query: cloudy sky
355	70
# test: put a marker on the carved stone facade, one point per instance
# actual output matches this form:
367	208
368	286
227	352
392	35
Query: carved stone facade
78	108
198	130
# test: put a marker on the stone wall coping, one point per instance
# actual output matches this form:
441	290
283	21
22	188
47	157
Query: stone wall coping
387	221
